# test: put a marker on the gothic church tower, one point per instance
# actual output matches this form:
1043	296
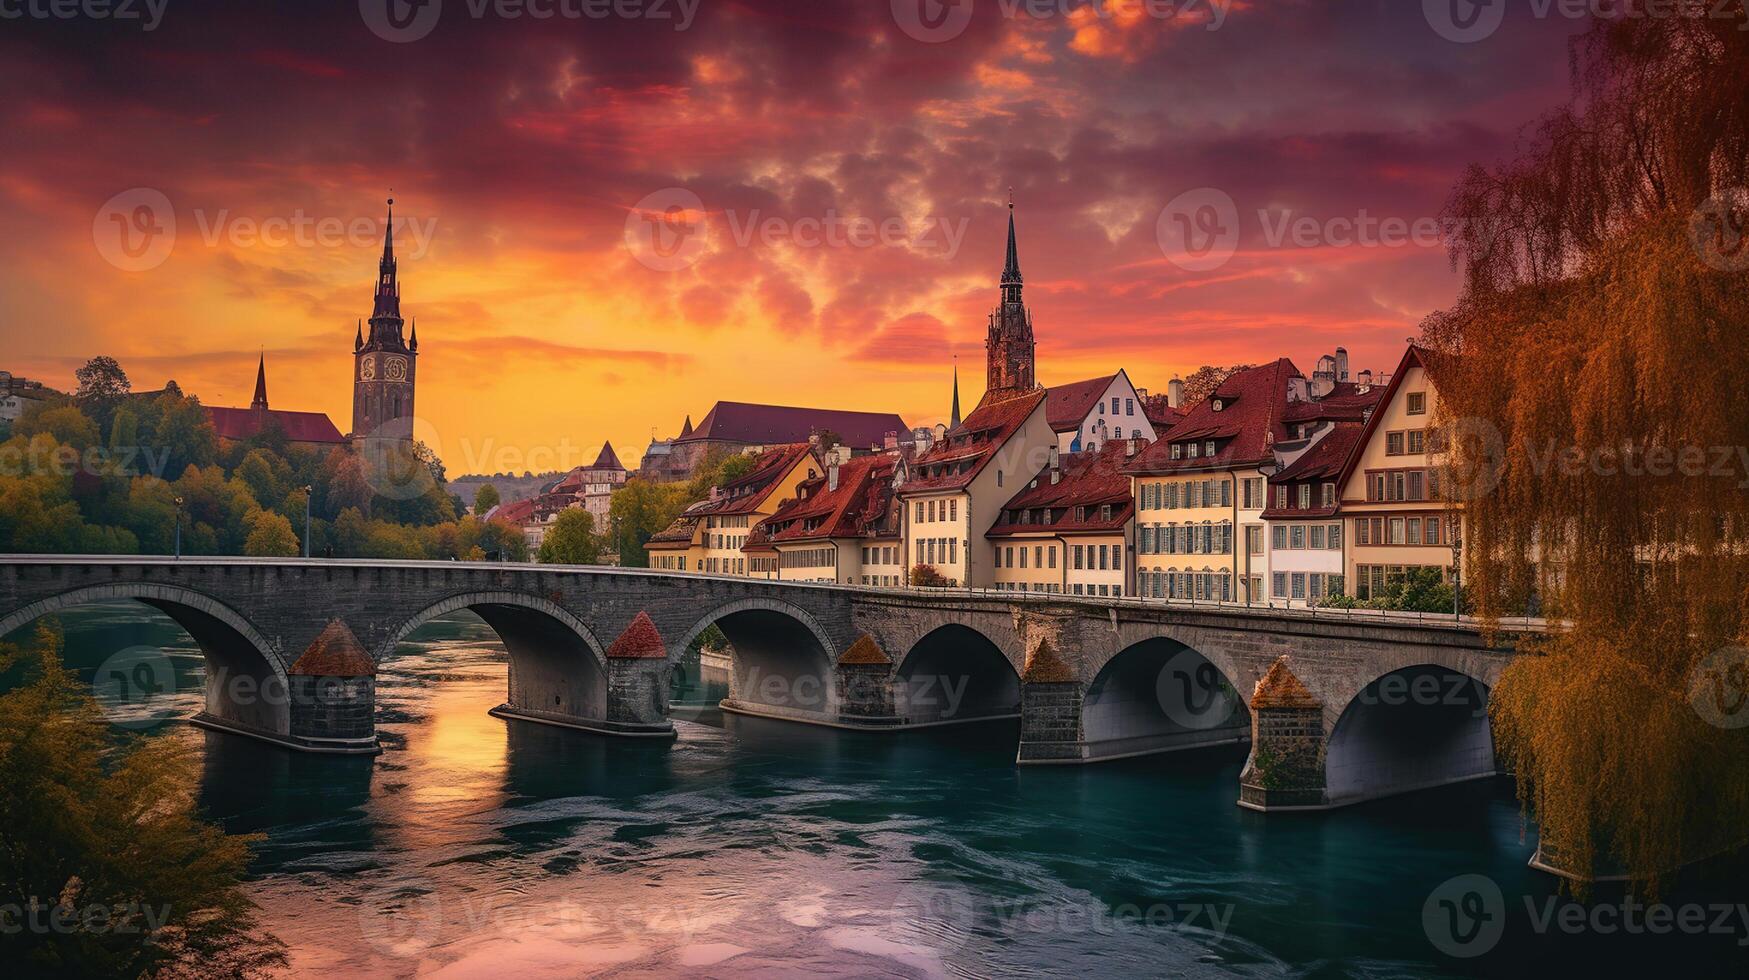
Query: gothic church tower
1009	347
384	363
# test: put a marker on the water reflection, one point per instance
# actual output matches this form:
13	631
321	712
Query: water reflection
476	846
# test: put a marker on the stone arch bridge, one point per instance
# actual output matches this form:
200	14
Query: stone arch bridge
1337	709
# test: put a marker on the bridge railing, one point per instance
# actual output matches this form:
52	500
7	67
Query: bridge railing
1267	607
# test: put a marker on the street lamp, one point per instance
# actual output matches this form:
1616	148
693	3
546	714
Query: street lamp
307	492
178	527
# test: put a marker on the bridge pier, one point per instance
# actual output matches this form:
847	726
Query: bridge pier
631	701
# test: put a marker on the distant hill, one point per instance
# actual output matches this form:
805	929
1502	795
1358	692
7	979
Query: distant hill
510	488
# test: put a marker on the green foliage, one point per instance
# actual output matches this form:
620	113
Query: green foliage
485	498
65	424
710	638
640	509
571	540
1418	590
271	536
109	838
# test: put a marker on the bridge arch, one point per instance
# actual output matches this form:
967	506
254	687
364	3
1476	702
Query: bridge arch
1159	694
955	673
558	667
781	658
245	675
1410	728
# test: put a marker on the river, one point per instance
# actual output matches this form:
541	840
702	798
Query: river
473	847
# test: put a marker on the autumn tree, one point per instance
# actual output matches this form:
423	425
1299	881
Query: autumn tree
1592	365
1204	380
109	835
271	536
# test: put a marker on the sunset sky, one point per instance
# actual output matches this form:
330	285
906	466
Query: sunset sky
527	148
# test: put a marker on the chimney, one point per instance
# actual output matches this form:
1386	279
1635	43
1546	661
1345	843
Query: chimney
832	477
1131	447
1341	364
1366	377
1174	393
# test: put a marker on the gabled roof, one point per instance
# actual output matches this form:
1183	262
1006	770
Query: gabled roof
676	535
747	493
515	512
1069	405
766	425
961	456
245	423
1345	403
864	493
1251	420
1088	479
1414	356
1323	463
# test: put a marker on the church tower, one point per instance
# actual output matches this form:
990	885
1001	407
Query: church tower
1009	348
383	362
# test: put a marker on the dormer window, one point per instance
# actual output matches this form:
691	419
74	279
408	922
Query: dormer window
1177	451
1194	449
1217	404
1208	448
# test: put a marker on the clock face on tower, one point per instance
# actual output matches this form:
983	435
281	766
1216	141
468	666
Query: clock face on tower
395	368
367	369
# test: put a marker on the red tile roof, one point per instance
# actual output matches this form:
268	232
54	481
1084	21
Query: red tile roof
1322	463
1089	479
335	653
640	641
1069	404
245	423
1160	413
766	425
1345	403
746	494
863	497
956	461
515	512
1253	407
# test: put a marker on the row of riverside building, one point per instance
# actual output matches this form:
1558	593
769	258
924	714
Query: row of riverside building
1273	487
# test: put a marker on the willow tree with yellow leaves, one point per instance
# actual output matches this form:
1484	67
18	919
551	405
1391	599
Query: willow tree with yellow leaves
1594	382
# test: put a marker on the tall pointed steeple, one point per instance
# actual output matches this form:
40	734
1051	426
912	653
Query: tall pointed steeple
1011	278
956	393
259	403
358	341
413	338
388	293
1009	346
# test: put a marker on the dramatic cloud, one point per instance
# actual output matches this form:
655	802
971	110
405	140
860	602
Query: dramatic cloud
850	165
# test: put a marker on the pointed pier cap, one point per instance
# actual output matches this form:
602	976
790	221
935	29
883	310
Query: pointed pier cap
865	651
335	653
1044	666
1279	688
640	641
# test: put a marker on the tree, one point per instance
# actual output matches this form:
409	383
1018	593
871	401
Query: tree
485	499
1204	380
639	510
271	536
88	825
928	576
571	540
1596	349
103	386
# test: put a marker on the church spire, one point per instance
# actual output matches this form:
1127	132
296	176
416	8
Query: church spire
956	393
259	403
388	293
1011	268
358	342
413	340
